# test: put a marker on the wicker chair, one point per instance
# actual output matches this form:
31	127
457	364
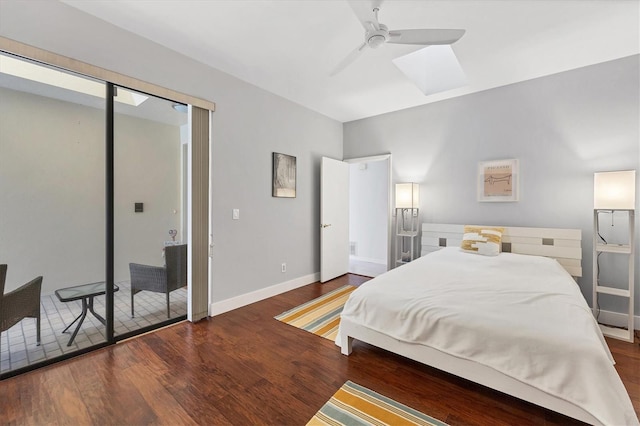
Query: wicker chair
21	303
161	279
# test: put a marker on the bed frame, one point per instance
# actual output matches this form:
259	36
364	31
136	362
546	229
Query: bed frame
560	244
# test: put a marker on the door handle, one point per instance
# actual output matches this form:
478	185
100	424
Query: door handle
325	225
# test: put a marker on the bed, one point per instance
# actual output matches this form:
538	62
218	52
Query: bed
515	322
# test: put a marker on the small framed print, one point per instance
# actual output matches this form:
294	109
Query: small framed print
284	176
498	181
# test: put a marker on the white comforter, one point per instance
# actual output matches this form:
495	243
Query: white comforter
523	316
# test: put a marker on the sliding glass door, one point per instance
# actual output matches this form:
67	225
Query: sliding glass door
93	244
52	213
150	246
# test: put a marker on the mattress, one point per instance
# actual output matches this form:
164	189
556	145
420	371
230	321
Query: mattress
523	316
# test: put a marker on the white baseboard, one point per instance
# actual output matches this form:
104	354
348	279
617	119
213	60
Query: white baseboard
617	319
368	259
227	305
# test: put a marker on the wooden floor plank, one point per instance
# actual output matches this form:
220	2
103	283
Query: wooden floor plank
61	392
244	367
165	406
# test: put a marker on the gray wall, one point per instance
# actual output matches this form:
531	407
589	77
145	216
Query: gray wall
562	128
248	125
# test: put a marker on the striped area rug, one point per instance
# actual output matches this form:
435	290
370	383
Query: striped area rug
320	316
357	405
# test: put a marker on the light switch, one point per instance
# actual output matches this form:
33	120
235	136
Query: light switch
236	214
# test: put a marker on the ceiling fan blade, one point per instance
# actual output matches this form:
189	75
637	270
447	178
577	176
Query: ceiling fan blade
349	59
364	11
425	36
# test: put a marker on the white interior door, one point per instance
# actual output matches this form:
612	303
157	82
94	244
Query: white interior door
334	218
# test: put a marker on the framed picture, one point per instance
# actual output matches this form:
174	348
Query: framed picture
284	176
498	181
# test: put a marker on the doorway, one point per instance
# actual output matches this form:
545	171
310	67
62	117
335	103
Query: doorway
369	215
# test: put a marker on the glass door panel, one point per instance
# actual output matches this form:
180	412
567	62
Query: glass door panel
52	213
150	263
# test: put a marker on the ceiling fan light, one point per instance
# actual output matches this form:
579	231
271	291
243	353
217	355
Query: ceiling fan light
376	40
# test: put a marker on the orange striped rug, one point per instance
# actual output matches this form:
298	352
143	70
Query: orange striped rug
320	316
356	405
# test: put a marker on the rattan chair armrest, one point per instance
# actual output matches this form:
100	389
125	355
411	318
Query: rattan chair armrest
20	303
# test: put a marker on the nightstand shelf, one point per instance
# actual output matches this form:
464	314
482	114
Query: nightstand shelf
406	236
614	248
625	291
618	333
613	291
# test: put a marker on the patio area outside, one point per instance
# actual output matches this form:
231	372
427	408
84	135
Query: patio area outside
18	345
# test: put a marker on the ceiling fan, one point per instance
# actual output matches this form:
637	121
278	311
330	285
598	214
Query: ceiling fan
377	34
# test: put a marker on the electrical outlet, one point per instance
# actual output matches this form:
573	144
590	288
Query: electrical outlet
284	267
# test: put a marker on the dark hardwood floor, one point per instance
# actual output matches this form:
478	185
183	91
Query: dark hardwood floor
245	368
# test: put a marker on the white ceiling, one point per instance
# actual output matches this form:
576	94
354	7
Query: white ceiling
289	47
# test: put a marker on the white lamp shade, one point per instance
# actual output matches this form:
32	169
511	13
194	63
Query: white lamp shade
614	190
407	196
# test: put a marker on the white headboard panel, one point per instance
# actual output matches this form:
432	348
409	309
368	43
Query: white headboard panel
564	245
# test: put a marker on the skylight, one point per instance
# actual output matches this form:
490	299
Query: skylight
433	69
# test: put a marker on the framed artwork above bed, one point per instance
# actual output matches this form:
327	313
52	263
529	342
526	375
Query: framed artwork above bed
498	181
